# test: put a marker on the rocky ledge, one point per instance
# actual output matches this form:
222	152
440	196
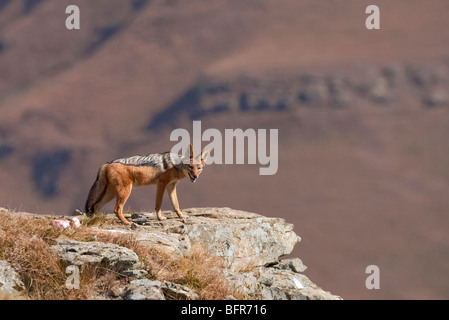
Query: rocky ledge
249	245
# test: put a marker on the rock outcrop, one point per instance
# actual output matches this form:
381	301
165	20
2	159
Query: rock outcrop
243	239
96	254
249	245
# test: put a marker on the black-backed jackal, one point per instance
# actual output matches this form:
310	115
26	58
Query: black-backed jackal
115	179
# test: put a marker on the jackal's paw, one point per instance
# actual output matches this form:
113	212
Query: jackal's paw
161	218
183	215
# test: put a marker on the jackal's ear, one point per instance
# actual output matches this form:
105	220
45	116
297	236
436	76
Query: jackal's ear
191	151
204	156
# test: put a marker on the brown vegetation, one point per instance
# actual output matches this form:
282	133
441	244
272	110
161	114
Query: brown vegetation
25	242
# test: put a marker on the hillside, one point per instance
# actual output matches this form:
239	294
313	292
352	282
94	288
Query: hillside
362	119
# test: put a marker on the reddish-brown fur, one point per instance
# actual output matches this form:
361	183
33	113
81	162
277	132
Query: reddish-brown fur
115	180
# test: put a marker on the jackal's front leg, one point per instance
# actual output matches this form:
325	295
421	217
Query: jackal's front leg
171	190
159	195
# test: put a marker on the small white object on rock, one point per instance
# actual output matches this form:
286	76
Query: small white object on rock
60	223
66	224
75	223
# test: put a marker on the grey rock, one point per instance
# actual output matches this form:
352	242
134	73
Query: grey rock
276	284
143	289
10	282
171	243
294	265
77	212
250	245
138	273
107	255
243	239
177	291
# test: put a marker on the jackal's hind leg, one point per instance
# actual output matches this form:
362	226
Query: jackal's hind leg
109	195
122	196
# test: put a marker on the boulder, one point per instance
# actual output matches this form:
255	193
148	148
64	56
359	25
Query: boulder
294	265
107	255
243	239
143	289
10	284
178	292
245	243
277	284
170	243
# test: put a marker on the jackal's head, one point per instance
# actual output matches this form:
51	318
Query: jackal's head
196	164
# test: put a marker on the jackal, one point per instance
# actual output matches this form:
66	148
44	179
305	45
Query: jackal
115	179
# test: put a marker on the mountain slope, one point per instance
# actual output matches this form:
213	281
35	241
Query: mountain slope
363	160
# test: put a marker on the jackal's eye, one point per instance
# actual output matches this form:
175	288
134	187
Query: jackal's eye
190	167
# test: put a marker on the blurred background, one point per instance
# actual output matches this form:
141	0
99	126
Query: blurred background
363	119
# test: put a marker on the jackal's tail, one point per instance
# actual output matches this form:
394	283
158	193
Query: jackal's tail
97	192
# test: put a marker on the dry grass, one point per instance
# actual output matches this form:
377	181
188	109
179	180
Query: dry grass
95	220
6	296
197	270
25	243
201	271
